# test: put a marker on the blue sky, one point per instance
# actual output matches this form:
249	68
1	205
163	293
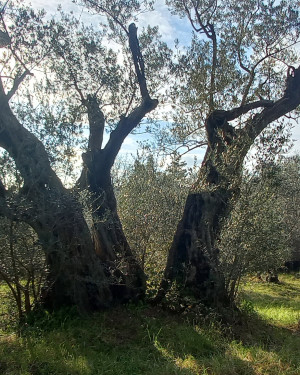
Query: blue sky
171	27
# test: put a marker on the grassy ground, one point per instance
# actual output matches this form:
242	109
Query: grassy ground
141	340
277	303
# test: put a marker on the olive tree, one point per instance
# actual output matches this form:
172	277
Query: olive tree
289	173
239	74
63	85
22	264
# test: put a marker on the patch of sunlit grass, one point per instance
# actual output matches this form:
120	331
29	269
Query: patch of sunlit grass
277	303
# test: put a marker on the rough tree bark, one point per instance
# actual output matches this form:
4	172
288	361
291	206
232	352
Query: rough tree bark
193	256
75	275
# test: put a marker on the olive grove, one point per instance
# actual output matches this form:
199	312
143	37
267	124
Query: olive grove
66	85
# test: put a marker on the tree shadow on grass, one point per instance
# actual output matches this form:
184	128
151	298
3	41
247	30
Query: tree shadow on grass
259	336
139	341
121	342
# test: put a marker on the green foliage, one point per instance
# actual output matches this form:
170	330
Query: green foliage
290	193
150	202
247	307
66	63
40	320
256	237
22	264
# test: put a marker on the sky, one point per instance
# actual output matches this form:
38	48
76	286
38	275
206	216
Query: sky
171	27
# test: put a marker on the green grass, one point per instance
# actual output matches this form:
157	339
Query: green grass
8	311
278	303
143	340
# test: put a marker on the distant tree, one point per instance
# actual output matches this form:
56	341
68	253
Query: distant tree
290	194
256	237
22	264
150	200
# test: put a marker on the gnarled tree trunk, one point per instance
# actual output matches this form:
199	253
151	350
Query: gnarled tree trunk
76	276
110	243
75	273
193	256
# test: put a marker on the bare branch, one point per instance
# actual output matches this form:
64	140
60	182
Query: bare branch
4	6
138	60
77	88
213	68
98	7
190	148
237	112
191	19
210	33
252	70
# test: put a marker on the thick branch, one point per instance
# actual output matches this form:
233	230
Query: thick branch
2	190
218	121
4	39
289	102
96	123
248	86
28	152
125	126
138	60
106	157
237	112
128	123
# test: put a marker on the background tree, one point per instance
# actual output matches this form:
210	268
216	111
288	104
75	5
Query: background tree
150	196
256	237
78	80
22	260
236	78
22	264
289	174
